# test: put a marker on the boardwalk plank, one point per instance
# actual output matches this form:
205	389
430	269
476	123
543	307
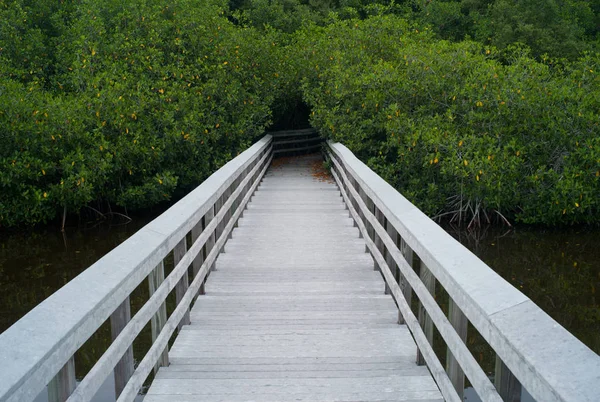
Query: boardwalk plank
294	310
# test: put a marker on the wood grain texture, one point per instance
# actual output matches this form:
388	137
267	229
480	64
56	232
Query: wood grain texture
294	310
124	368
63	384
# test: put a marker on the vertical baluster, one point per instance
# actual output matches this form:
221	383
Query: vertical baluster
236	202
354	184
424	319
228	213
182	285
388	256
219	229
347	185
402	282
197	263
63	384
379	242
460	323
156	277
506	383
368	225
124	368
210	243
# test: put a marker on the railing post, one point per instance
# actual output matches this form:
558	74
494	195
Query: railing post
370	229
354	183
424	319
460	323
507	385
218	206
404	285
379	243
156	277
183	284
197	263
63	384
388	256
236	202
124	368
210	242
228	214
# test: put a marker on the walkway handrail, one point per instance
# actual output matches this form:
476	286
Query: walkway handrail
38	350
295	142
413	253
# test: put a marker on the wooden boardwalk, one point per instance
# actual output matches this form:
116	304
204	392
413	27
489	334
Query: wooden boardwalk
294	310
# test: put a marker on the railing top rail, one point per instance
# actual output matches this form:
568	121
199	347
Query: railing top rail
550	362
293	133
35	348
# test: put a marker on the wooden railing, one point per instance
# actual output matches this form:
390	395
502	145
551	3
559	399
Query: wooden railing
415	255
296	142
38	351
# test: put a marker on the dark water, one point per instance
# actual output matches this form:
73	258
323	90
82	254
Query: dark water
558	270
36	263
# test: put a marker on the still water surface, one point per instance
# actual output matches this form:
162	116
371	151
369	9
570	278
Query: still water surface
558	269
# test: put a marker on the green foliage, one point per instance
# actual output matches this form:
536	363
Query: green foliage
133	103
453	129
143	102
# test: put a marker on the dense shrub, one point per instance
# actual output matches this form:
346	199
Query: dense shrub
456	131
111	103
143	100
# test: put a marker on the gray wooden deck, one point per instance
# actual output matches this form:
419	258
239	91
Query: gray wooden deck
294	310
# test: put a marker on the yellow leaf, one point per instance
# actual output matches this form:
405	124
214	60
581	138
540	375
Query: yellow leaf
577	205
477	177
93	52
518	153
43	172
162	91
435	160
53	139
101	148
575	264
466	162
460	143
45	195
217	125
160	181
